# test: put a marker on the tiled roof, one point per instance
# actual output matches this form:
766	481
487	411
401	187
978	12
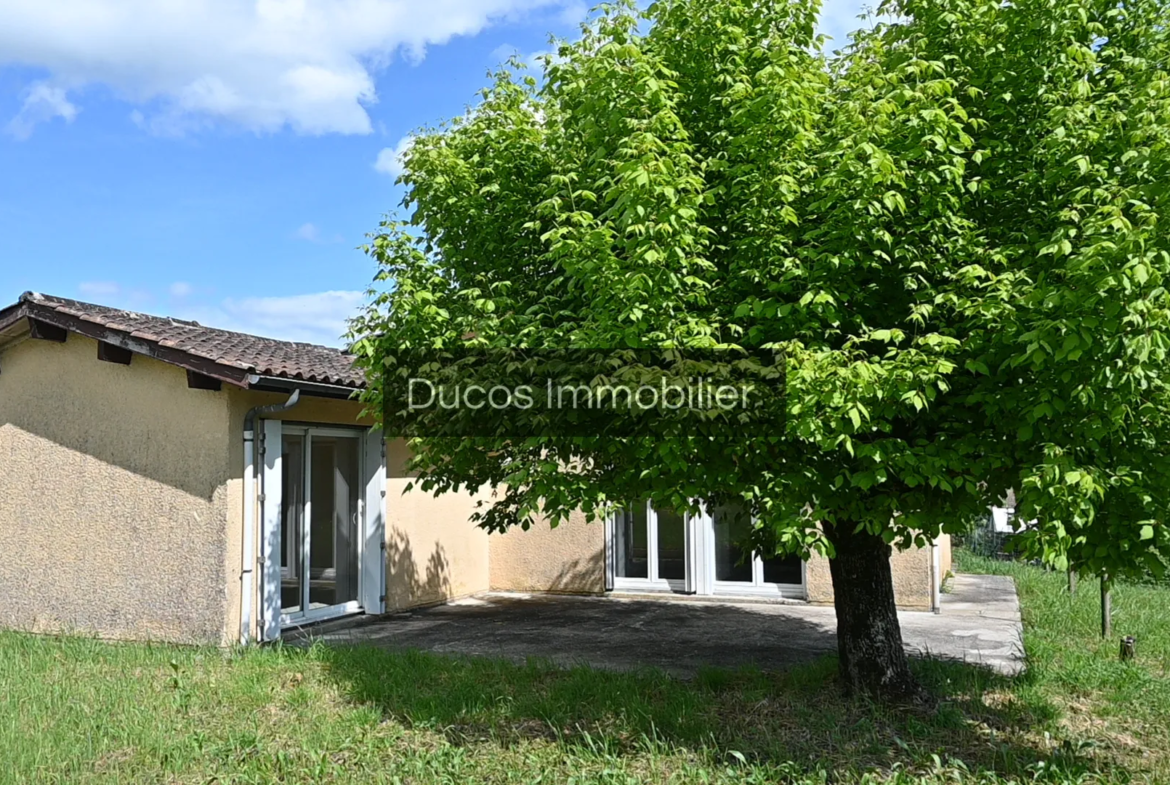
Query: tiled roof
172	339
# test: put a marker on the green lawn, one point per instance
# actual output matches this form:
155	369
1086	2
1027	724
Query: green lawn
77	710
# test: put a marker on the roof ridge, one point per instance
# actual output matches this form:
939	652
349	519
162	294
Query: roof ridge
39	298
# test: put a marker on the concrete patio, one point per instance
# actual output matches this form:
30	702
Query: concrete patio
979	623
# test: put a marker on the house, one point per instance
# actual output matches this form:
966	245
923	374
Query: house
168	481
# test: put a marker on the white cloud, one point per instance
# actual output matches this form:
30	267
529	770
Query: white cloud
42	102
391	159
181	289
259	64
308	232
313	318
99	289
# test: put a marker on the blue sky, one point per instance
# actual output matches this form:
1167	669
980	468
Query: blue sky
219	159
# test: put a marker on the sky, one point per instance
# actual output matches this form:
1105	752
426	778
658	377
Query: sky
222	160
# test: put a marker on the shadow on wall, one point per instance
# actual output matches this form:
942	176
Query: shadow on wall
581	575
406	584
60	405
587	574
114	496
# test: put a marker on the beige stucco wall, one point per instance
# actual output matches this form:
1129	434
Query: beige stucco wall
911	570
113	496
121	508
433	550
569	558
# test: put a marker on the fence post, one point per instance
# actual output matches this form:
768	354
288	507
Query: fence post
1106	607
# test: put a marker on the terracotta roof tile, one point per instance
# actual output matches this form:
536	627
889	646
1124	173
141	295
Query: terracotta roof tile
251	353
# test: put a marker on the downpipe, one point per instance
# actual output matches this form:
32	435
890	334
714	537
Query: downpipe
248	557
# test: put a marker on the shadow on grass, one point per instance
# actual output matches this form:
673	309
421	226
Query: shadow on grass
984	720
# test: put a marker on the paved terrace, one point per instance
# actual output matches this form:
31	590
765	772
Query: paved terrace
979	623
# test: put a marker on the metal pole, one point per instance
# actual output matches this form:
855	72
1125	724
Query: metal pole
1106	608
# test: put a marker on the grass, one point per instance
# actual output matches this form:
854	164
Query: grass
78	710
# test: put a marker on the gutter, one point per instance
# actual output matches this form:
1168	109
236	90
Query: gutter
248	558
317	389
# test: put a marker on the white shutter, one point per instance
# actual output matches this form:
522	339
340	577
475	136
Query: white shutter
373	578
270	529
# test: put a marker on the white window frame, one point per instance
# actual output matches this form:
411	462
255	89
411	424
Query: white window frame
700	568
306	614
371	472
758	586
651	583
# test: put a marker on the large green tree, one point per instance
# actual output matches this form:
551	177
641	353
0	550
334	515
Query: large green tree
955	227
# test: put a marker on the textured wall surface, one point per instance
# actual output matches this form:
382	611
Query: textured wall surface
121	508
433	550
113	496
569	558
911	572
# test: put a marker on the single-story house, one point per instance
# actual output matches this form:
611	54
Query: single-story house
168	481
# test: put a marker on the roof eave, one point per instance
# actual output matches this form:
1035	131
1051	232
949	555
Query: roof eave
237	377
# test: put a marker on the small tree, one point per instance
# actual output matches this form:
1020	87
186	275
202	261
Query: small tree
955	228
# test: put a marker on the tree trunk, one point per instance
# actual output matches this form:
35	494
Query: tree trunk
869	638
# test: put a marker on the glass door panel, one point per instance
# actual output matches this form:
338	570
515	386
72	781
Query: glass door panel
321	523
292	502
633	543
334	537
734	564
732	531
672	545
784	569
650	548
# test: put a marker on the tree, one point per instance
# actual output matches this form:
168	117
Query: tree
955	228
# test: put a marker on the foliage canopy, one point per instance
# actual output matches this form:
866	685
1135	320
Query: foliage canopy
956	227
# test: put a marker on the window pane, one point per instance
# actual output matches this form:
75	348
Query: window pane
633	550
672	545
732	529
292	499
782	569
334	542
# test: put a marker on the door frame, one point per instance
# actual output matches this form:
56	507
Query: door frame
371	501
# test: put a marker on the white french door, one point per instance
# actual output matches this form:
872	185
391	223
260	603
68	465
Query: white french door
662	550
323	500
650	549
736	571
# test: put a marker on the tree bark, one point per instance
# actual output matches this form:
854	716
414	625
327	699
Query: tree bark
869	638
